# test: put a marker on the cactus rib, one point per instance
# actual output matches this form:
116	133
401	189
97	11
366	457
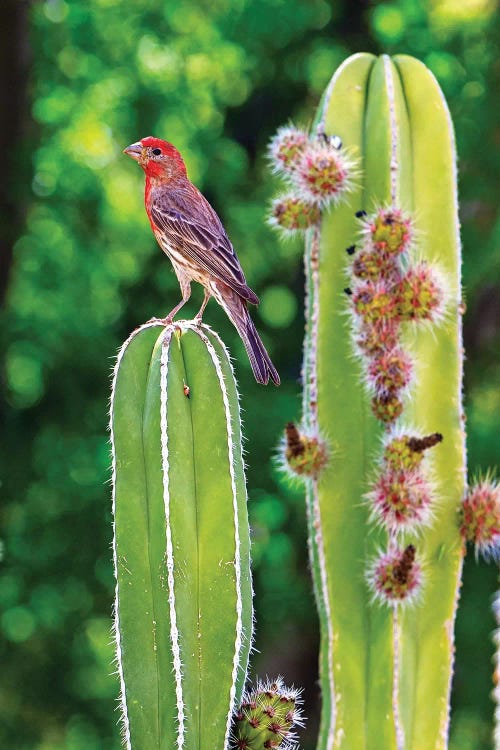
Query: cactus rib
174	633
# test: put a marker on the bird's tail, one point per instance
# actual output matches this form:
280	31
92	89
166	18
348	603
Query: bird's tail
262	367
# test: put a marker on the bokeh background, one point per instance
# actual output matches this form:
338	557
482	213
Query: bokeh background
79	269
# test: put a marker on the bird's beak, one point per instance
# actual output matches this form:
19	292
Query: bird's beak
134	151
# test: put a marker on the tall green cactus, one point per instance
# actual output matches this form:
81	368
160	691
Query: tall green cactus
381	385
385	673
183	610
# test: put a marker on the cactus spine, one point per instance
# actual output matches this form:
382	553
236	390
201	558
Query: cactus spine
183	609
386	670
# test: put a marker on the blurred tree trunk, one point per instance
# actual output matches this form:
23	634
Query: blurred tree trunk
14	54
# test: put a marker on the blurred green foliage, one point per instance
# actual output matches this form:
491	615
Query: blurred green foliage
215	78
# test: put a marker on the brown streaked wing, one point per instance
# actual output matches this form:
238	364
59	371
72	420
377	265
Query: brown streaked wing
195	229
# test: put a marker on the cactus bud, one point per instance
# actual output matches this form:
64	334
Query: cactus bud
374	301
387	407
286	149
401	500
305	455
389	230
480	518
290	214
377	336
420	294
390	371
374	264
395	577
324	174
403	452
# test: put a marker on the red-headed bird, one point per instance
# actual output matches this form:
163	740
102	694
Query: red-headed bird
189	231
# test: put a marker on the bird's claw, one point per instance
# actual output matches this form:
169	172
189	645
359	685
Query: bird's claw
162	321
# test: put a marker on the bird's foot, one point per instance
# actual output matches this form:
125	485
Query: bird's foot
198	320
162	321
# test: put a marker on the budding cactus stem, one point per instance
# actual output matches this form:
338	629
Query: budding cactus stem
385	671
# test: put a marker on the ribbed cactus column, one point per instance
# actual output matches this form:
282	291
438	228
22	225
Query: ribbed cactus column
183	610
382	384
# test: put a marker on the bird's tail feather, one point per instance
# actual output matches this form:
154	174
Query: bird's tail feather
262	367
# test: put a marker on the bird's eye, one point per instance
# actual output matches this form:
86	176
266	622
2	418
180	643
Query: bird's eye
156	151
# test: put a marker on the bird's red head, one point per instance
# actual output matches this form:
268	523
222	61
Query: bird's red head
157	158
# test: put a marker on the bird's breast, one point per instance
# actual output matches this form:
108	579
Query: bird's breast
182	263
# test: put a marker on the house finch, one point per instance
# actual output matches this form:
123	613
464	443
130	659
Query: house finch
189	231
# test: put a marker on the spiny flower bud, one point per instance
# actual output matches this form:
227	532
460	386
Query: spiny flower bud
305	455
374	264
401	500
267	718
390	371
420	294
480	518
377	336
404	452
374	301
387	407
389	230
395	577
324	173
286	149
290	214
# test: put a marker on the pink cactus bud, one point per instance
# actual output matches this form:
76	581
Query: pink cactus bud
286	149
387	407
480	518
389	230
420	294
291	214
390	371
401	500
377	336
324	173
374	264
374	301
395	577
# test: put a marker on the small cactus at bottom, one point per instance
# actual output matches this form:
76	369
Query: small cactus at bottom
267	717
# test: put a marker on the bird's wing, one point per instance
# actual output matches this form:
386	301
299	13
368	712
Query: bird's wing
191	225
